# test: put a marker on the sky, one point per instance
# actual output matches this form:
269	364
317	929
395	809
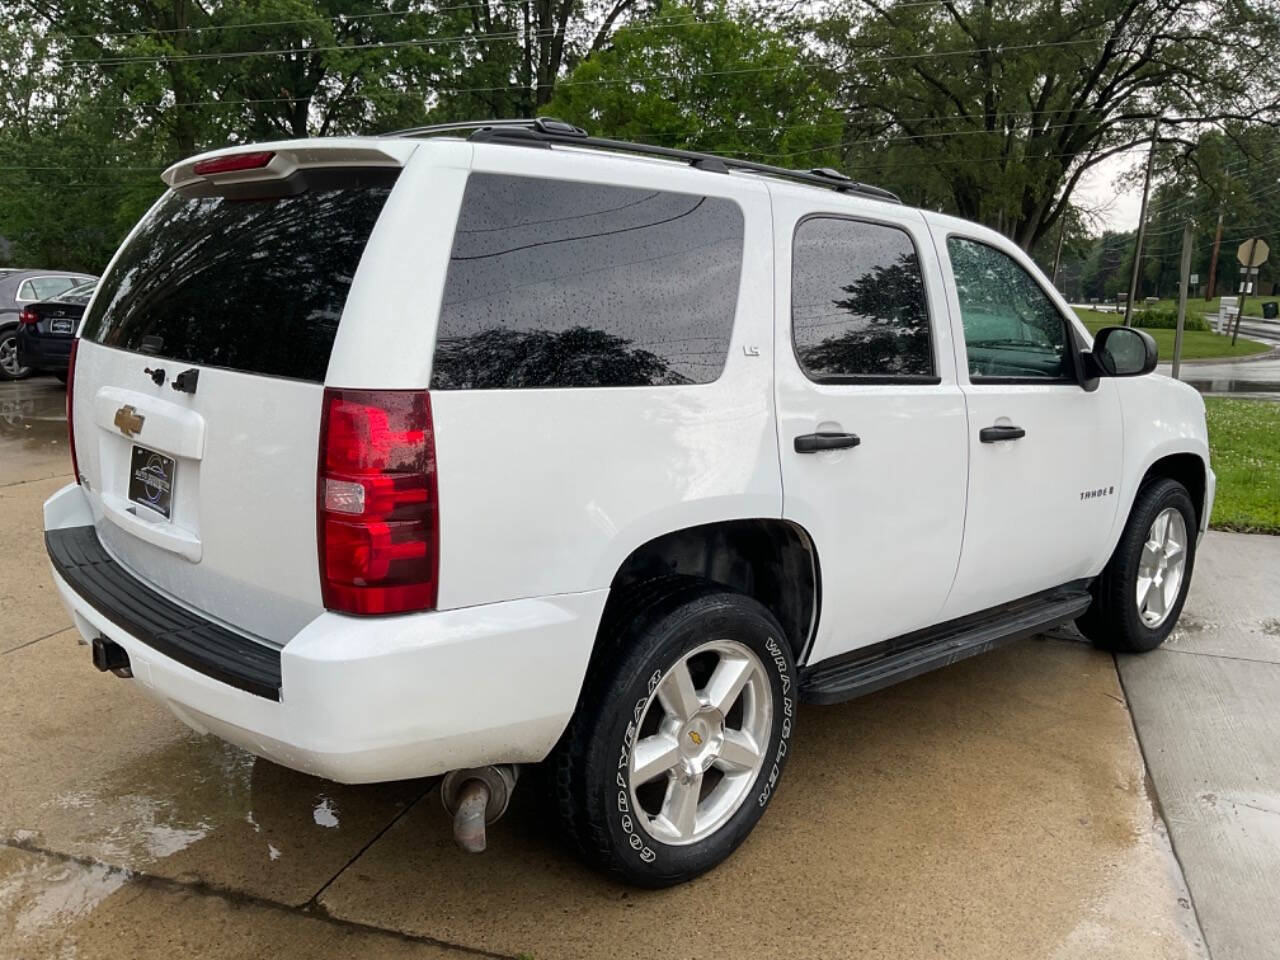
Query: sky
1097	189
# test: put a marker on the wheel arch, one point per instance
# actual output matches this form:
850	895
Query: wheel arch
1189	469
771	560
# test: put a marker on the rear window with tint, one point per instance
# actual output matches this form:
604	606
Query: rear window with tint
858	303
250	285
559	284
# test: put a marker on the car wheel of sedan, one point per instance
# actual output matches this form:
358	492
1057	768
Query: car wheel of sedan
10	368
680	735
1139	596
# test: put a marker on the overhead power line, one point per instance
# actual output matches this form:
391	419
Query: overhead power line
252	24
339	19
112	60
517	35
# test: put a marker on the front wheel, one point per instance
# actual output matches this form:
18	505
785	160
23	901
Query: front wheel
1139	596
680	736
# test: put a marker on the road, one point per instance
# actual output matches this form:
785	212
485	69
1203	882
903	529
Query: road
998	808
1257	377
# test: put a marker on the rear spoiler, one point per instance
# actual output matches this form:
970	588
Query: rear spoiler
281	161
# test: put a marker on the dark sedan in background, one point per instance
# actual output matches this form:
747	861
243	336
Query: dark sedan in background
20	289
47	328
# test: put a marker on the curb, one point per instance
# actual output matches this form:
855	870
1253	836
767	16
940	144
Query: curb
1272	354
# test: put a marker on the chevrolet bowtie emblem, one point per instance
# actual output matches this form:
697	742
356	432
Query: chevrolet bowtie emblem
129	420
697	740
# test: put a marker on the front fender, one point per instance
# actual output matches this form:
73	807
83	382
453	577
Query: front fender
1161	417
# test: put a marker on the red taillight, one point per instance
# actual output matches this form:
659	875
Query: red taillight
377	509
28	316
71	423
234	161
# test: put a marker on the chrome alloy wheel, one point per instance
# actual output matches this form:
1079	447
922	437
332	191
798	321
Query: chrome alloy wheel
9	355
1161	566
701	742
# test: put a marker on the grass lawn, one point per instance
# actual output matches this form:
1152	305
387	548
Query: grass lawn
1196	344
1244	447
1199	306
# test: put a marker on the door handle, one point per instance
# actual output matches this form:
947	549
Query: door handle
816	442
1000	432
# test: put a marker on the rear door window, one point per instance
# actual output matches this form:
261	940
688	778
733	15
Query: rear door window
858	308
250	285
560	284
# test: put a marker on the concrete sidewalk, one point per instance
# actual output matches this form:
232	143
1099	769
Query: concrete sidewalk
1207	711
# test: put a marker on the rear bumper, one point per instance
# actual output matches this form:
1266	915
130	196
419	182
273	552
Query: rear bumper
370	699
43	353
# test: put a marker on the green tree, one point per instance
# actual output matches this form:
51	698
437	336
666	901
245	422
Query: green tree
995	108
712	78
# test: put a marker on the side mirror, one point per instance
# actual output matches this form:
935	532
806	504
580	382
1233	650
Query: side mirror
1121	352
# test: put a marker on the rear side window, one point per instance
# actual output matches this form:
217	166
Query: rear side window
858	307
559	284
250	285
42	288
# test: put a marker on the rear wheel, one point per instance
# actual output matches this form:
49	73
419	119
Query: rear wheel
1139	596
10	368
680	736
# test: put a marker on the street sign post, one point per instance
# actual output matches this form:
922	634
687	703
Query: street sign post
1188	278
1252	254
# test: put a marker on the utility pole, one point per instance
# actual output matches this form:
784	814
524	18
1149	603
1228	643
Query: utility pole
1185	273
1142	225
1244	289
1057	254
1213	260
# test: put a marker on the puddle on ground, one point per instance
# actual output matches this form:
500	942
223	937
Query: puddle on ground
39	898
33	420
196	809
158	806
1232	385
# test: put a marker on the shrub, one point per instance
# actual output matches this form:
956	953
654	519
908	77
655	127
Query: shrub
1158	318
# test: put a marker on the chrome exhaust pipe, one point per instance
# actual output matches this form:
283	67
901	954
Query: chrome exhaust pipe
475	798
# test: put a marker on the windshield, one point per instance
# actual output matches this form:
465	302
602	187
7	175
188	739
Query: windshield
250	285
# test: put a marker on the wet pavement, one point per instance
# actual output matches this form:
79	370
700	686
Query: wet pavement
33	429
1205	707
1258	378
998	808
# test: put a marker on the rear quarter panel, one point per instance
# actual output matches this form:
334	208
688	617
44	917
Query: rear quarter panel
546	491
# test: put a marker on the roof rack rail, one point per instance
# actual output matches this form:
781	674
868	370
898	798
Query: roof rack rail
545	131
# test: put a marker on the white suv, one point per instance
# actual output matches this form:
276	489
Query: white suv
436	453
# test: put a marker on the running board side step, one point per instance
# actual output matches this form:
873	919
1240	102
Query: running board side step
869	669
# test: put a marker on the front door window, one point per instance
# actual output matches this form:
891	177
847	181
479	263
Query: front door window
1012	330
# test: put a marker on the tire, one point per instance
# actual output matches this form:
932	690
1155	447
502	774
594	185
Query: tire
621	815
9	369
1116	620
